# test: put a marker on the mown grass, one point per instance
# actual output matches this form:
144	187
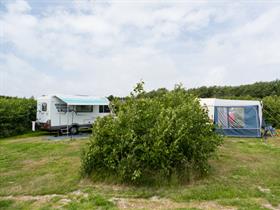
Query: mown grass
35	166
28	134
245	175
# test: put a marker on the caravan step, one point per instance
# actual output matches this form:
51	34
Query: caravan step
64	131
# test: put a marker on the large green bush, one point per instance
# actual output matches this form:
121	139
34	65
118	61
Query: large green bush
151	137
16	115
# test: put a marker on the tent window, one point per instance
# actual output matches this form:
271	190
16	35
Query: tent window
236	117
44	107
222	117
237	121
104	109
84	108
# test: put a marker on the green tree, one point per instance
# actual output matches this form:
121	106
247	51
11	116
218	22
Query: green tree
152	137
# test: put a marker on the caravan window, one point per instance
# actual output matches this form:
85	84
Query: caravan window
104	109
84	108
61	107
44	107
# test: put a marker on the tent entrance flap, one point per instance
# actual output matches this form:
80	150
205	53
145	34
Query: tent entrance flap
240	121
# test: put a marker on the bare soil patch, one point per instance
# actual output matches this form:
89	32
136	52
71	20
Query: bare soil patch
163	203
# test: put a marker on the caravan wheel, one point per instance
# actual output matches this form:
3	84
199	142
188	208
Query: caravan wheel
74	130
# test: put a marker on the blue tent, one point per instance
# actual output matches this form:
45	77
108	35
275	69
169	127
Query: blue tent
240	118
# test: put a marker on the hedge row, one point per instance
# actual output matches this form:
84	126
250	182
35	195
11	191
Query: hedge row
271	110
16	115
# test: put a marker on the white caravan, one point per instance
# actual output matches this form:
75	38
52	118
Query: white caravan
69	112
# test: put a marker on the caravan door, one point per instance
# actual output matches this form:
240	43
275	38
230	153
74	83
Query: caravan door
42	112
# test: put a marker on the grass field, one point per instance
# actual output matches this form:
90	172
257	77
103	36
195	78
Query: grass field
41	174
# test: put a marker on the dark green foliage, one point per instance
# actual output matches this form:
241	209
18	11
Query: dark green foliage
16	115
156	93
256	90
271	110
152	137
4	204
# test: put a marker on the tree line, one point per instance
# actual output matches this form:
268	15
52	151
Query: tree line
257	90
16	114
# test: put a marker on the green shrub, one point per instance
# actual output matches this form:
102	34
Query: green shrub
271	110
16	115
151	137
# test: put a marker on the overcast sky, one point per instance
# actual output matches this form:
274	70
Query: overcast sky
103	48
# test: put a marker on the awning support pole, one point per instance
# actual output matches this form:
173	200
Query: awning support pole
67	120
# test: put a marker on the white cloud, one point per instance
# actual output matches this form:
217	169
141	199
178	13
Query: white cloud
18	7
17	74
105	48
